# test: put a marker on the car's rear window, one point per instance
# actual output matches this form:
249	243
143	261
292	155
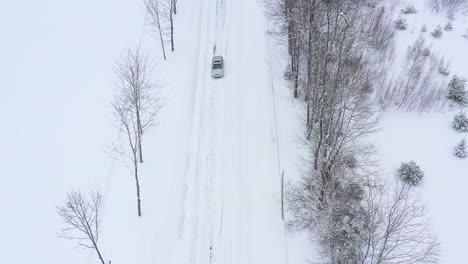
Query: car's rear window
217	66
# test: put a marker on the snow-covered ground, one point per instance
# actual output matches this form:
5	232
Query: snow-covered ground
211	177
428	138
212	172
57	82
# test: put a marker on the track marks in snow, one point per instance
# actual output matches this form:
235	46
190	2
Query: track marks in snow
231	166
192	111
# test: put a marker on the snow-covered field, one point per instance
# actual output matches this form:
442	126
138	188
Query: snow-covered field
57	82
429	139
211	177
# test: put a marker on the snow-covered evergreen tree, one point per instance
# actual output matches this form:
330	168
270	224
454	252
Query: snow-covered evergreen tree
409	9
460	149
448	26
410	172
456	90
465	35
437	33
401	24
460	122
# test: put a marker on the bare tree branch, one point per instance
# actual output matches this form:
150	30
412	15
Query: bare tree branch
81	219
135	108
160	17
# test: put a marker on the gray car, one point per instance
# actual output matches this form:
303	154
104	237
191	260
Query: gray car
217	67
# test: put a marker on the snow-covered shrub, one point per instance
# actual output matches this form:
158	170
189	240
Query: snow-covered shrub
355	191
287	75
426	52
448	26
465	35
424	28
460	122
437	33
410	172
444	68
401	24
456	90
409	9
460	149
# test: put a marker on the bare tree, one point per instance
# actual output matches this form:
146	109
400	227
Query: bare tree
161	19
172	11
135	108
447	6
337	56
156	21
421	85
397	229
371	222
289	16
174	4
81	219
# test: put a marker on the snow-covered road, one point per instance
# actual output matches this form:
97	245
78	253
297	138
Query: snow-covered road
232	205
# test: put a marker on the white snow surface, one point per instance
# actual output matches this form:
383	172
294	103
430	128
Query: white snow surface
211	178
428	138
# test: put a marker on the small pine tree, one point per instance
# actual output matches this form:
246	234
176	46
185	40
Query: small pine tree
460	149
401	24
287	75
409	9
448	26
456	90
437	33
424	28
460	122
465	35
410	172
426	52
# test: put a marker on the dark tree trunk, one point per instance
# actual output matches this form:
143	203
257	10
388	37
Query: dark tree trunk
140	136
137	186
162	42
172	24
99	254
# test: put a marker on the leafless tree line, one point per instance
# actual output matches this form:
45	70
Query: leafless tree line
135	107
366	220
447	6
335	48
160	18
337	76
422	83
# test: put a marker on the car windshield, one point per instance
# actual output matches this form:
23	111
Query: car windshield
217	66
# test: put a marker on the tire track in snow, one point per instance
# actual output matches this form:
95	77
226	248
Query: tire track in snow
203	163
191	220
193	109
222	174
